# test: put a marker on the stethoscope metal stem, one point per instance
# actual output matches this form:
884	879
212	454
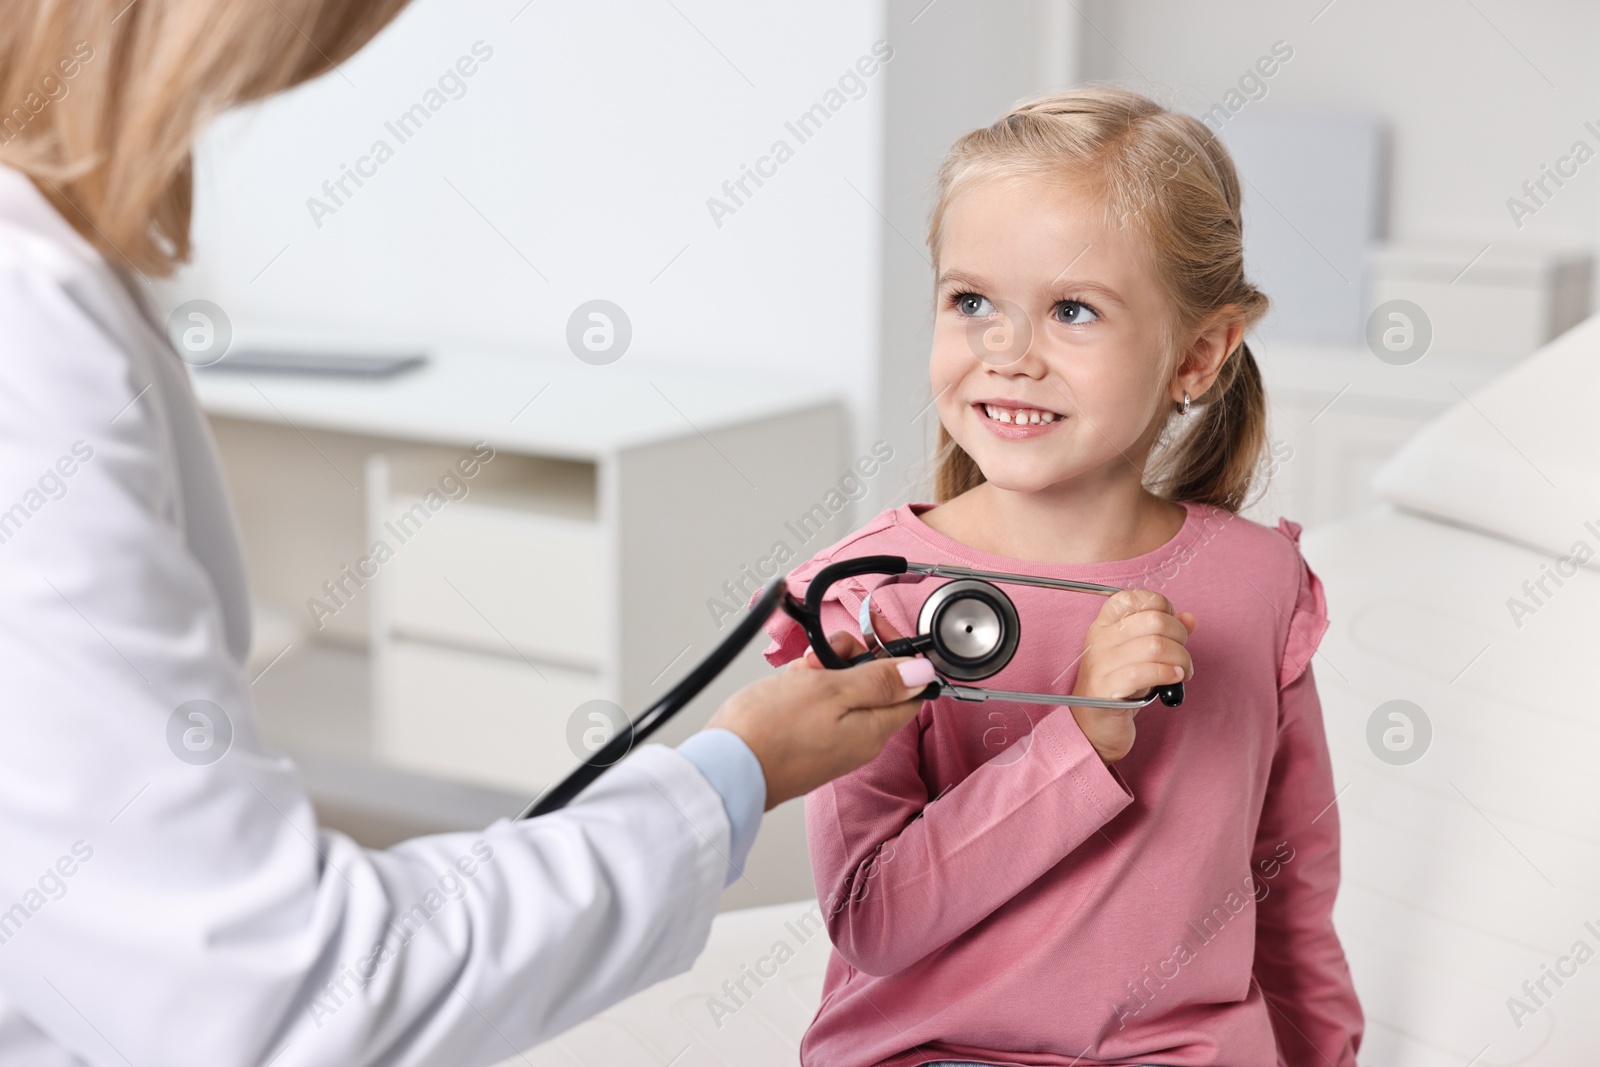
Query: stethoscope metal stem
941	570
975	695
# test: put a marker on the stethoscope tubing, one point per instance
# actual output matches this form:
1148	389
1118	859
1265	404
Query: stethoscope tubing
943	570
672	702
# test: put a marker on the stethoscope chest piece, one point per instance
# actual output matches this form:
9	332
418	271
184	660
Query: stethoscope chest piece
972	628
967	628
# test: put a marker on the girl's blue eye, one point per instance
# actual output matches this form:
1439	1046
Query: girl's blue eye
974	305
1075	314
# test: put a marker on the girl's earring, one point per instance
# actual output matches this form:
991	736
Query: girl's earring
1185	408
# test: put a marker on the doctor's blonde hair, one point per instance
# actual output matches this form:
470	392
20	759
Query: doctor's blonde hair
100	100
1164	176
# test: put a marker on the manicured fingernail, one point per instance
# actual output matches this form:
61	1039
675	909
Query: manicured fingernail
916	672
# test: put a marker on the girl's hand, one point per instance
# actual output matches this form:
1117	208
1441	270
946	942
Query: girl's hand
1135	644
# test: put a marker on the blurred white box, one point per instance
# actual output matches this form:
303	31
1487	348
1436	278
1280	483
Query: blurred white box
479	717
532	574
1314	200
1491	302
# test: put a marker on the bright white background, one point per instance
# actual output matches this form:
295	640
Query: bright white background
583	151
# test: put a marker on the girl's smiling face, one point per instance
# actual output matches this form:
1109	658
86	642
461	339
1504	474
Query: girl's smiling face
1048	356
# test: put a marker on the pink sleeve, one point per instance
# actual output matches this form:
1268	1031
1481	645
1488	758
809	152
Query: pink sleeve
1308	622
1299	963
900	875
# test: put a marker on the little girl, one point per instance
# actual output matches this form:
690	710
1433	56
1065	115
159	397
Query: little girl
1014	883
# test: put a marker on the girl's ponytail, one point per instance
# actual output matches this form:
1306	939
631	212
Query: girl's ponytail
1215	460
954	472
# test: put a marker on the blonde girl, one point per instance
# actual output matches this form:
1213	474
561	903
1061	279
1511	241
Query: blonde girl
1015	884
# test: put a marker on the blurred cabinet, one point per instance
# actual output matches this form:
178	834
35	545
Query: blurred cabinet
1335	413
476	714
514	537
1535	293
492	621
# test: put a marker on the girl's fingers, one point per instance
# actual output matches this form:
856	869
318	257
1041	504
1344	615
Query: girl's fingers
1120	606
1164	644
1146	648
1149	621
883	628
1139	663
845	644
1132	679
841	641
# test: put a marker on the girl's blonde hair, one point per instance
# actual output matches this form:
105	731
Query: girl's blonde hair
1165	176
100	100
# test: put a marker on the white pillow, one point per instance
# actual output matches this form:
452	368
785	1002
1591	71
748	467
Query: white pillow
1518	459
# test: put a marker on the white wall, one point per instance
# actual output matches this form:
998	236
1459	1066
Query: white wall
590	140
961	65
1478	94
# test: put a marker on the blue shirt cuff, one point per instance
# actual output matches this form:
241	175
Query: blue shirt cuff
735	773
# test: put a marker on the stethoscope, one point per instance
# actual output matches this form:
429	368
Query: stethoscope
967	628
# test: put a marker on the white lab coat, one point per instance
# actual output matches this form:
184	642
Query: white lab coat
160	913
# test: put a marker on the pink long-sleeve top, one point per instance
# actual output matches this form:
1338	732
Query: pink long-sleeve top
995	892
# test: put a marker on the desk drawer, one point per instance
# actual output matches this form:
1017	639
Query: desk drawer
480	718
483	575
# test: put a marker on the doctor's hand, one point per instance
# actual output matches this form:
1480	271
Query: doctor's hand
1135	644
808	725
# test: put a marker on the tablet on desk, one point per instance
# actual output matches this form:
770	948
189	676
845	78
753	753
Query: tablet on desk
319	362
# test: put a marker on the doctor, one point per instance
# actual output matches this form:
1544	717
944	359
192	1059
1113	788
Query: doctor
155	911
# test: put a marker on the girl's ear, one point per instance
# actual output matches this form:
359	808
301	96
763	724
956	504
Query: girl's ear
1208	349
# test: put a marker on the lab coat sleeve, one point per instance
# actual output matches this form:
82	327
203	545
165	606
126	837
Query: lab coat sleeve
1299	962
167	897
733	770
